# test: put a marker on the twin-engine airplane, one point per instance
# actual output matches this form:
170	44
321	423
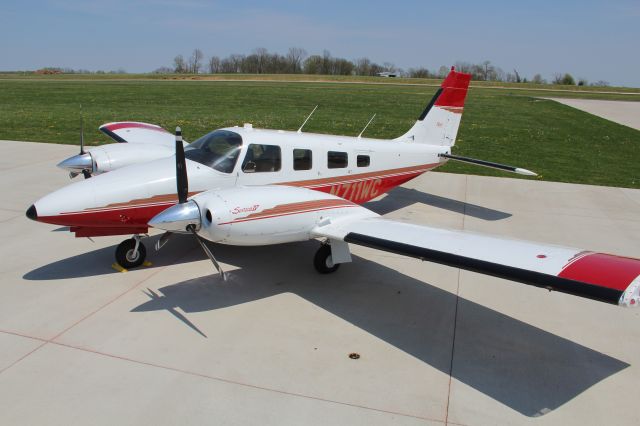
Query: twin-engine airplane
246	186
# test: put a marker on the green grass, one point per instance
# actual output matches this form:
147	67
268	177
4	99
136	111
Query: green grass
312	78
503	125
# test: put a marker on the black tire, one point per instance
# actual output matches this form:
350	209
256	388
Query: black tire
124	254
322	260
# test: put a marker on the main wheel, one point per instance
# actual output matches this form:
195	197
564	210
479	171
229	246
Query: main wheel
323	260
127	257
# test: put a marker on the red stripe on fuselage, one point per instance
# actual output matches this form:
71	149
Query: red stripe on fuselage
604	270
358	188
126	218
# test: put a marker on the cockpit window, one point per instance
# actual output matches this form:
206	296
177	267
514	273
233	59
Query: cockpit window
218	150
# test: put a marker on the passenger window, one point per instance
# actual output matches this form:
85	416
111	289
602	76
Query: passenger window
262	158
302	159
337	160
363	161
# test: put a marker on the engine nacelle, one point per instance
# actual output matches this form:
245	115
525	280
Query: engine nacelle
110	157
265	215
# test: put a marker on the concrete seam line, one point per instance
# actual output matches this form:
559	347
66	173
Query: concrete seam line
237	383
51	340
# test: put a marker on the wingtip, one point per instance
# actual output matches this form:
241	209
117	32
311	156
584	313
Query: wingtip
525	172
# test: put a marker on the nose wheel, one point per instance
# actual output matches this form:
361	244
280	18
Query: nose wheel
131	253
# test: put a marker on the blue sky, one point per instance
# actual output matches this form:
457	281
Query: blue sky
596	40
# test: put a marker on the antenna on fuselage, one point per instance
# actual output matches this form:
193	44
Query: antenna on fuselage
365	127
305	121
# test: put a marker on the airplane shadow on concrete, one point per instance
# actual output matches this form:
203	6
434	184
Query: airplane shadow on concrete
98	262
521	366
401	197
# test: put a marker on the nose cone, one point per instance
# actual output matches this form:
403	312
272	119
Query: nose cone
177	218
77	163
32	213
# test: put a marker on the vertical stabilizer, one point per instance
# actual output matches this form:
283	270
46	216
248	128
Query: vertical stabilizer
439	122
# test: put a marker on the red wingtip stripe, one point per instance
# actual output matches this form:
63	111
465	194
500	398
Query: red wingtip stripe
604	270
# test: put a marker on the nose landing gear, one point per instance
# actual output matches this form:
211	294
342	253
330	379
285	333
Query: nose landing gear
131	253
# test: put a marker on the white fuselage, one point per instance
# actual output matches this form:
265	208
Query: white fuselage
123	201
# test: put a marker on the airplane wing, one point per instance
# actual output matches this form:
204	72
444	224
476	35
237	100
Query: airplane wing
135	132
597	276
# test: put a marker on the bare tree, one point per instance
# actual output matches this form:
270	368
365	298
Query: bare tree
518	79
363	66
313	65
179	65
487	68
236	62
161	70
389	67
214	65
326	62
195	62
295	56
419	73
537	79
261	58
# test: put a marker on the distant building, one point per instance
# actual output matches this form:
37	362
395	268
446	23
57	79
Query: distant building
387	74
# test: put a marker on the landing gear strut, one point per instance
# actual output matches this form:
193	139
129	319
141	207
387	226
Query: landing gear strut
323	261
131	253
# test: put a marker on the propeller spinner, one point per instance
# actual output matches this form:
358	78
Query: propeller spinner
81	163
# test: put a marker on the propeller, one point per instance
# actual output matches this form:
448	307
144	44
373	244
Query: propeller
184	216
81	163
86	173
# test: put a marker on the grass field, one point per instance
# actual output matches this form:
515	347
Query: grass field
506	124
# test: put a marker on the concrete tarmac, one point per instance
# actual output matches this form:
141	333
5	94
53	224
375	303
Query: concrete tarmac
621	112
171	344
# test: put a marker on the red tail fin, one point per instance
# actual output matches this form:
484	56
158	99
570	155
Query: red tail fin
454	89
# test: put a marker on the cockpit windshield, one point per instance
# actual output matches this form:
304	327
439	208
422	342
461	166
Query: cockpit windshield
218	150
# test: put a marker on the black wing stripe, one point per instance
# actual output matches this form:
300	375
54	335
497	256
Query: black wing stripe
537	279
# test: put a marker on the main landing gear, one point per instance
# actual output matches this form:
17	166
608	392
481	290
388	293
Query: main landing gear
330	255
323	261
131	253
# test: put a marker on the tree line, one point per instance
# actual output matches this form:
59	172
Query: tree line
297	61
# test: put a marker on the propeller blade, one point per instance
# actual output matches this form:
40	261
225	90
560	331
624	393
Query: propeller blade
163	240
82	134
208	253
86	174
182	181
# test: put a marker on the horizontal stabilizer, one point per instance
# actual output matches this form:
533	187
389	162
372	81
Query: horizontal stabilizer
490	164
